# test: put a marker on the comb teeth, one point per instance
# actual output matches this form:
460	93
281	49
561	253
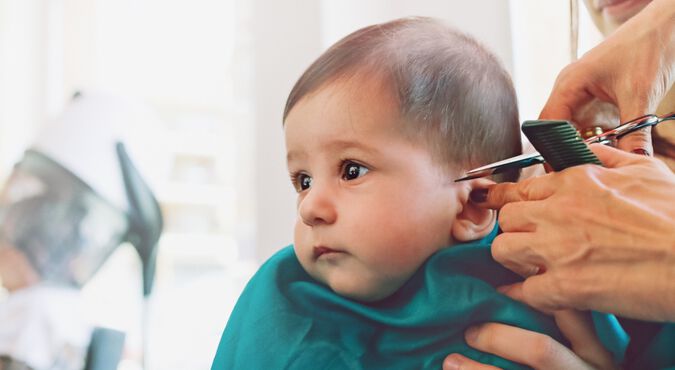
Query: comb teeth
559	143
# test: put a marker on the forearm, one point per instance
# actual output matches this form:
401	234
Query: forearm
664	12
660	16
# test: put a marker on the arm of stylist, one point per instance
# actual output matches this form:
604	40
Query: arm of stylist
592	237
589	237
632	70
601	238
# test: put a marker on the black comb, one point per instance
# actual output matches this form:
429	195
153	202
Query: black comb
559	143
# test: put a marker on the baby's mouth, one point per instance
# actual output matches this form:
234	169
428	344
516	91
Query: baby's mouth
321	251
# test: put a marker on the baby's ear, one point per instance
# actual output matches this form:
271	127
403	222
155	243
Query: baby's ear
472	222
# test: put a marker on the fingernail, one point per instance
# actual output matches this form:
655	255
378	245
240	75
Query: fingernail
471	334
478	195
641	151
452	363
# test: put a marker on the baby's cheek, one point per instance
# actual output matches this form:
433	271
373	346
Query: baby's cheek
300	244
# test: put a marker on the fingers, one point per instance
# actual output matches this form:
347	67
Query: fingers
523	346
612	157
456	361
639	142
535	291
496	196
636	105
578	328
513	251
565	97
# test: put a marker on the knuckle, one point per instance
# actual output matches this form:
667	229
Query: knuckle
565	289
573	289
506	215
539	293
500	249
525	189
543	351
497	251
486	338
576	173
499	194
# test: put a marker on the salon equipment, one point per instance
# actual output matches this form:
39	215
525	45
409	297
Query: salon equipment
559	143
561	149
67	230
105	350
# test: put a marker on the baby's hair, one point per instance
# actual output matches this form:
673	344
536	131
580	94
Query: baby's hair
451	91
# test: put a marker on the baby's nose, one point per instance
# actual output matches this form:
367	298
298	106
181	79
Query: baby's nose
318	206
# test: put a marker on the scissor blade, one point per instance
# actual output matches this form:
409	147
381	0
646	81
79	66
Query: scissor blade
520	161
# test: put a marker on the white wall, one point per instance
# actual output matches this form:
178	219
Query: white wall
22	76
487	20
286	39
541	48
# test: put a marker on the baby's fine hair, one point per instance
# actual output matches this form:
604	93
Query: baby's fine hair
451	91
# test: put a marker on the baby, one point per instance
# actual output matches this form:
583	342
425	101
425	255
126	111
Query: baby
376	131
390	262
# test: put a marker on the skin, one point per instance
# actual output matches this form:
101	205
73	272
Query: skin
374	199
595	262
15	270
631	72
607	20
537	350
616	250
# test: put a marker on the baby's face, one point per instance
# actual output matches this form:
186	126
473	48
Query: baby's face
372	204
608	15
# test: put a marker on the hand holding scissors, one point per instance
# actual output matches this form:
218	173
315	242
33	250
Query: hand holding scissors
607	137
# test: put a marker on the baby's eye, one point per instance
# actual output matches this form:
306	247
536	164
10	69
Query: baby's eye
352	170
304	181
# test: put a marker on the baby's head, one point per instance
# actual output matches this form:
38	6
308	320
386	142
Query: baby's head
377	129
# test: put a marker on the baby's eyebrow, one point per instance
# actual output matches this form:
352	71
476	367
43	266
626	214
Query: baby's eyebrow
333	145
350	144
293	155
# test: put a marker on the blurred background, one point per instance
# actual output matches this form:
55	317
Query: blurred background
217	72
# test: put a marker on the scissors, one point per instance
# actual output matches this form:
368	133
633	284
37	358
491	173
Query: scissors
530	159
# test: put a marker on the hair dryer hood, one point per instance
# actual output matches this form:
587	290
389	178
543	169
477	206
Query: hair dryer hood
64	228
77	194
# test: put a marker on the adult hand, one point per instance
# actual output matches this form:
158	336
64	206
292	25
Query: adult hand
592	237
632	69
537	350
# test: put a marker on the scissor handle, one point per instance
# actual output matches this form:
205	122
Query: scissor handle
630	127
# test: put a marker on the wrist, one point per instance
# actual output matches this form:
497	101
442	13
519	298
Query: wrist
662	15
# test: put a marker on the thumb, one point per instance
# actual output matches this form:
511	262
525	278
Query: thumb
612	157
578	328
568	95
640	141
554	110
498	195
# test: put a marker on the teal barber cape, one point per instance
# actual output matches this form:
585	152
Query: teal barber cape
284	319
